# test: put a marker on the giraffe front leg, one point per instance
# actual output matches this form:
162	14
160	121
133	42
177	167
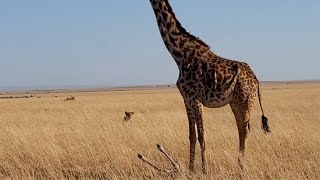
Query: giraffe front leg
194	112
193	141
202	142
192	136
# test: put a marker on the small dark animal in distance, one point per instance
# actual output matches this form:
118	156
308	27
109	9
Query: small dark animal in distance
128	116
70	98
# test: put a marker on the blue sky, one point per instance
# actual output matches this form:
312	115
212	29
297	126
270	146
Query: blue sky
117	43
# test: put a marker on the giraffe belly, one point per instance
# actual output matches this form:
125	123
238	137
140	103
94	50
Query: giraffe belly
216	103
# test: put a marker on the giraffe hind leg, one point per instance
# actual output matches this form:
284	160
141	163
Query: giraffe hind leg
243	129
242	112
242	116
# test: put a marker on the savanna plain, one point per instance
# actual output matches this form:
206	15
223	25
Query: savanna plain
87	138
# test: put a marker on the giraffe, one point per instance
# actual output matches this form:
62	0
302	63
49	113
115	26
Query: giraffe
207	79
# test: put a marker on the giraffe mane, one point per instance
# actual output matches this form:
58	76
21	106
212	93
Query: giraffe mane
182	29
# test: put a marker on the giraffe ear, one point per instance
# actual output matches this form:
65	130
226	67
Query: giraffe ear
126	113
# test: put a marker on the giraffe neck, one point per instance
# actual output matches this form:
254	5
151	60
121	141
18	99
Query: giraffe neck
177	40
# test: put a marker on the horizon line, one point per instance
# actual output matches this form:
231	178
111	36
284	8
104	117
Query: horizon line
83	87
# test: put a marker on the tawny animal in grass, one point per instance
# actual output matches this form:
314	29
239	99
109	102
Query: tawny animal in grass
70	98
207	79
128	116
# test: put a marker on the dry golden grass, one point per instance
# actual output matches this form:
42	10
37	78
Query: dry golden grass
49	138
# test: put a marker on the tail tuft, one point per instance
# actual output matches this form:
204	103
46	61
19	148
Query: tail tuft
265	125
264	119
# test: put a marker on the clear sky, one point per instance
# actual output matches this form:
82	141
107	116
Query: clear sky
116	43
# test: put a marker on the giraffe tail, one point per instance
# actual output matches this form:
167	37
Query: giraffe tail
264	119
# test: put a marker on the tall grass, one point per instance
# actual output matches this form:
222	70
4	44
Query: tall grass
49	138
